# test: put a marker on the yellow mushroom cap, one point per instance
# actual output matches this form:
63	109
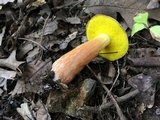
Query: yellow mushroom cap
102	24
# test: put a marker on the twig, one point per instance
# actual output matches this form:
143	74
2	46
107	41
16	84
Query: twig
119	111
116	77
33	42
109	104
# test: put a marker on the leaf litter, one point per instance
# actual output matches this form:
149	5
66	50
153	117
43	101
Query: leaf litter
36	33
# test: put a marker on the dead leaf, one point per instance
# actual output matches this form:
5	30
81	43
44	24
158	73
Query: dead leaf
94	2
101	10
32	55
7	74
19	88
35	74
141	82
41	113
127	9
1	91
145	83
96	7
153	4
6	1
11	61
68	39
3	83
1	35
23	3
51	26
38	3
24	49
25	112
73	20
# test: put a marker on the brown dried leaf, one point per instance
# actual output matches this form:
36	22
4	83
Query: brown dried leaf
128	8
11	61
153	4
41	113
34	75
19	88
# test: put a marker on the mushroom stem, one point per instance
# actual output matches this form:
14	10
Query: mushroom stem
70	64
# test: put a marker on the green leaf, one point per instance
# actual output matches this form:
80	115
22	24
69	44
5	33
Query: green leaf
155	32
141	18
137	27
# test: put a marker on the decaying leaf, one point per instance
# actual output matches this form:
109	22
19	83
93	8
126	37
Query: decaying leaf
94	2
32	55
146	84
19	88
1	91
38	3
126	8
25	112
24	49
7	74
141	82
42	112
11	61
51	26
6	1
68	39
153	4
35	74
73	20
3	83
98	7
2	34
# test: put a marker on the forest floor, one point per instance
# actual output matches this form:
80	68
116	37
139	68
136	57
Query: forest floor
34	34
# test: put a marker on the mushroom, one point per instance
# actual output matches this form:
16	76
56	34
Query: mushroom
105	35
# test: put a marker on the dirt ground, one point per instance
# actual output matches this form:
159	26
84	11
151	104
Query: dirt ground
34	34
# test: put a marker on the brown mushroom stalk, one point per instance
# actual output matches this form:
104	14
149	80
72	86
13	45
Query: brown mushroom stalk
70	64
